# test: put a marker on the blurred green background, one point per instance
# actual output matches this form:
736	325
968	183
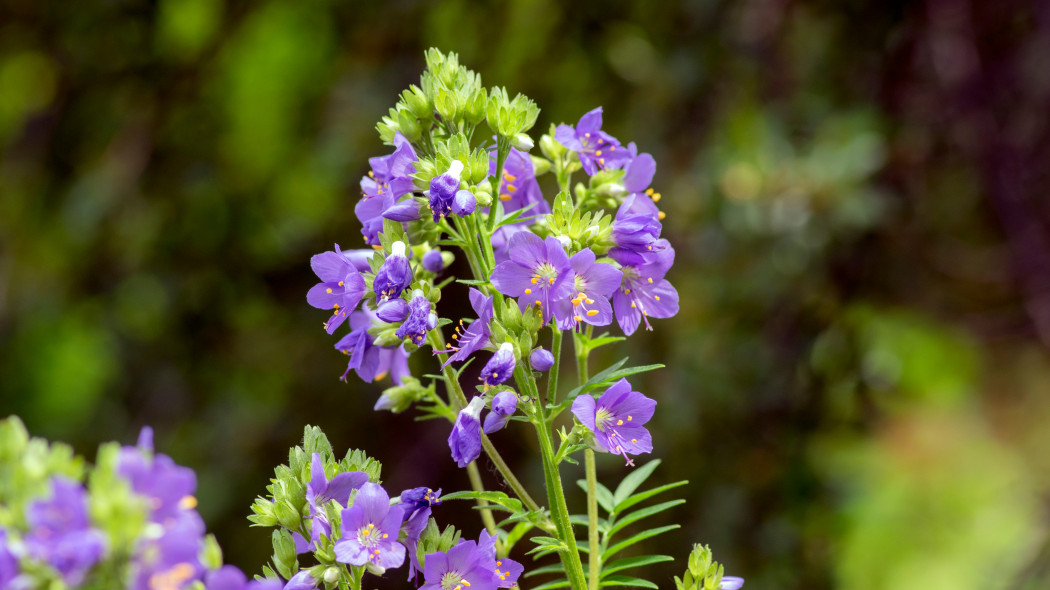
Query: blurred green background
858	380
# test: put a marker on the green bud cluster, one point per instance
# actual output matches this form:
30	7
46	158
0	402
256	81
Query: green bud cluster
703	572
510	118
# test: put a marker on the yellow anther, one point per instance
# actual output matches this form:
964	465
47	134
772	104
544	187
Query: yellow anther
528	291
465	583
657	297
619	422
612	148
365	532
538	302
656	197
504	197
634	440
649	191
601	161
499	563
650	279
627	291
511	188
598	153
455	336
449	345
335	306
592	312
590	302
495	374
188	502
586	134
385	535
534	280
551	281
376	552
340	283
633	304
329	291
509	177
661	215
629	418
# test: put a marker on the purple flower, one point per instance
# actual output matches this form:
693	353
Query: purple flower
635	230
501	240
392	310
476	335
644	292
518	188
593	282
731	583
369	212
170	561
464	567
443	189
464	203
389	179
617	419
597	149
433	261
541	359
505	570
168	486
359	258
229	577
60	534
371	362
9	567
465	439
500	366
417	502
538	272
320	491
341	287
370	528
395	275
638	175
302	581
503	405
420	319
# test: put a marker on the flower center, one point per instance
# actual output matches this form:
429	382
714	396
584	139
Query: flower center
545	274
368	535
602	418
453	580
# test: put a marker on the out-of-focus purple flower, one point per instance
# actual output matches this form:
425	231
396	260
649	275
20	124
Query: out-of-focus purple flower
617	419
443	190
541	359
9	568
465	566
229	577
538	272
395	275
501	240
369	212
433	261
392	310
731	583
476	335
302	581
505	570
518	188
635	230
420	319
359	258
500	366
168	486
503	406
417	503
593	283
320	491
171	560
370	528
644	292
369	361
465	439
464	203
341	287
597	149
60	533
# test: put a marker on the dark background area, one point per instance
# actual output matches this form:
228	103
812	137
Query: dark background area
857	382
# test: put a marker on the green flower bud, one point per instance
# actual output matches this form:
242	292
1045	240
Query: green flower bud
550	146
264	513
287	515
284	556
540	166
478	166
446	104
211	553
475	107
410	127
331	575
399	398
522	142
417	101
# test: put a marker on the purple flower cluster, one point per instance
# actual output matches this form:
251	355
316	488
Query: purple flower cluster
470	565
617	419
60	533
385	189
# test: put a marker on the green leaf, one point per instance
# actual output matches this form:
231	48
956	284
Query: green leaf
552	585
633	480
605	497
553	568
646	534
498	498
472	282
642	496
643	513
627	563
546	545
627	581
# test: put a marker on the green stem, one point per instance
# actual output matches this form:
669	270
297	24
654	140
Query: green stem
552	377
570	558
437	342
594	557
475	482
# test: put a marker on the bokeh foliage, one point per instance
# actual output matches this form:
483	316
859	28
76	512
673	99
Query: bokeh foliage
856	383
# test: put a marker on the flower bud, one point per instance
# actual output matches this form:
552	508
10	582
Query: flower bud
475	108
522	142
416	100
500	367
287	515
463	203
433	261
540	166
392	310
331	575
410	127
541	359
551	148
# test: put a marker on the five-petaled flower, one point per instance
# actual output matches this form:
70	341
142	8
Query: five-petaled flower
370	528
617	419
341	287
500	366
644	292
538	272
475	336
597	149
592	284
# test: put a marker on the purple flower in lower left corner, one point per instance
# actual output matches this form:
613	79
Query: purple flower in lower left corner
60	534
370	528
617	419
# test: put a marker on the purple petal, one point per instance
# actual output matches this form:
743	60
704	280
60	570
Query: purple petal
406	210
628	317
391	555
639	173
341	485
528	250
351	552
494	422
590	122
329	266
585	409
511	278
566	136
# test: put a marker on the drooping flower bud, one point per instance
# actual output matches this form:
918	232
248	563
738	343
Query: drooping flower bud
503	405
392	310
395	275
433	261
465	439
463	203
500	367
419	321
443	190
541	359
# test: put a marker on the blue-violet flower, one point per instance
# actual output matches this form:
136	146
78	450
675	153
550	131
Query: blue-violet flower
341	287
465	439
538	272
617	419
597	149
500	366
370	528
503	405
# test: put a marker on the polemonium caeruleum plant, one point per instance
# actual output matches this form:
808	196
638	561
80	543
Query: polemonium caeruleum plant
543	268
